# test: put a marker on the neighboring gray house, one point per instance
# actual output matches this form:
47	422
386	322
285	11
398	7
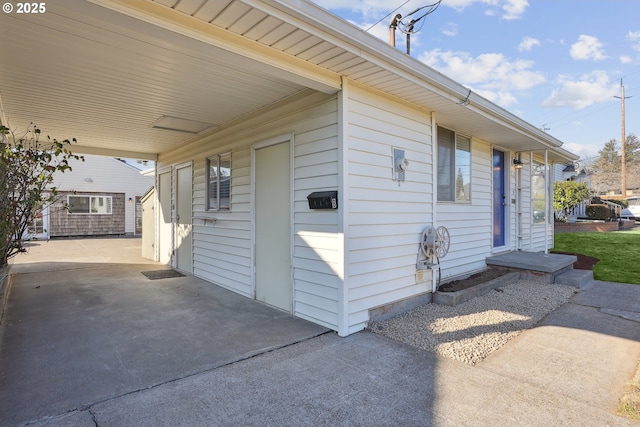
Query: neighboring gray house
252	107
100	196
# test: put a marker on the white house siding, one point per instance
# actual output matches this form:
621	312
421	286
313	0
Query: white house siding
385	217
470	224
100	174
222	250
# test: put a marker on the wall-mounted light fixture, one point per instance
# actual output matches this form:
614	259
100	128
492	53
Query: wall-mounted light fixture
517	163
130	200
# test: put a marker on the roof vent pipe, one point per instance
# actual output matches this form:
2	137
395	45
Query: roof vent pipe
392	29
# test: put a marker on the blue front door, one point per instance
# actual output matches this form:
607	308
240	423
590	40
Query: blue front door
499	199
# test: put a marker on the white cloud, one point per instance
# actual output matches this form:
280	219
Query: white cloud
363	7
380	31
585	151
590	89
587	47
514	9
451	29
634	37
528	43
492	75
503	99
511	9
626	59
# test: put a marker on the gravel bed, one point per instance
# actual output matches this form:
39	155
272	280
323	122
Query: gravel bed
471	331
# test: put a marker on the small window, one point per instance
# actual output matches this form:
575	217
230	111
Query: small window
96	205
219	182
538	193
454	167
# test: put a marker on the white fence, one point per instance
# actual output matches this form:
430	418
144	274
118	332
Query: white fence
580	211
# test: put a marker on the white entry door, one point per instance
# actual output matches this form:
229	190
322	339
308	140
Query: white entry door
184	194
38	229
165	246
273	229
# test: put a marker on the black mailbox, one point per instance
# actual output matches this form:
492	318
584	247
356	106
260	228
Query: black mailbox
323	200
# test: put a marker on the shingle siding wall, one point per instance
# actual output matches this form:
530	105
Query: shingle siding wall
62	223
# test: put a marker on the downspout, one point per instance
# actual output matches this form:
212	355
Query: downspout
434	189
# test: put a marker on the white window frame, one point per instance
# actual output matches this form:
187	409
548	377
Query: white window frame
538	173
453	169
218	161
107	203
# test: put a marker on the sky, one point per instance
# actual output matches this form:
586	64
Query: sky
558	64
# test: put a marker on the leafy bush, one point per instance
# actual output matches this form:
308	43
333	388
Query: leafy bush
27	166
599	212
566	196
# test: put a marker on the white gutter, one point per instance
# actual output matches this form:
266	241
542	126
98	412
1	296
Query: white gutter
352	39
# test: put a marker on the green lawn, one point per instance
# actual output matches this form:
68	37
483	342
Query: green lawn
618	252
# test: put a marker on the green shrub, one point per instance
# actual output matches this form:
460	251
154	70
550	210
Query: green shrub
566	196
598	212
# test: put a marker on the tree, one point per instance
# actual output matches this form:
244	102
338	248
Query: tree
27	166
610	158
632	150
459	185
566	196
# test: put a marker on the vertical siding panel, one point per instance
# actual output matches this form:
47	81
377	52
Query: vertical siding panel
317	241
223	249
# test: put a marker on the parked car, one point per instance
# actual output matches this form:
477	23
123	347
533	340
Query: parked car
633	211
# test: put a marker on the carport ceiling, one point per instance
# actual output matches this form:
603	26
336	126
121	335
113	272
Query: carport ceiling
107	71
81	70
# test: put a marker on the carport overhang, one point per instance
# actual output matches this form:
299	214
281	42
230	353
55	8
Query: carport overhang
104	71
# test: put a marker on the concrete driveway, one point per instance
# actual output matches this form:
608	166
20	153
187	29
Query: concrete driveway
85	331
93	342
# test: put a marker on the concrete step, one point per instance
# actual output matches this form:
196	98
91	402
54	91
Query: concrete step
582	279
536	266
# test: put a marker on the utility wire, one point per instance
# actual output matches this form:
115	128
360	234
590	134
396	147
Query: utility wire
410	27
387	15
567	119
588	111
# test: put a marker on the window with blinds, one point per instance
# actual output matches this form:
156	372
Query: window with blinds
219	182
97	205
454	167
